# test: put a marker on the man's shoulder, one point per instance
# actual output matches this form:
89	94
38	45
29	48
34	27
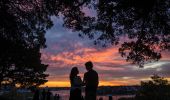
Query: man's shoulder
90	72
87	73
94	71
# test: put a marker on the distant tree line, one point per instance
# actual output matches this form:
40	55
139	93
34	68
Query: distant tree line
156	89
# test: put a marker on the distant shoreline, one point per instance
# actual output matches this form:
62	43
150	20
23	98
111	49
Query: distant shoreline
106	90
98	87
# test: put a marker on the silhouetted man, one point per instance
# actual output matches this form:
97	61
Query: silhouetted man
91	82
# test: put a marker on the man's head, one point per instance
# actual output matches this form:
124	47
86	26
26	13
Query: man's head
89	65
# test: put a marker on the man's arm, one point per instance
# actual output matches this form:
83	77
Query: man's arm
97	80
84	80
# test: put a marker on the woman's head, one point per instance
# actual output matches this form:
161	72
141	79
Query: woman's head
74	72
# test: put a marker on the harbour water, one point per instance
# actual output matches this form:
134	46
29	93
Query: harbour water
64	95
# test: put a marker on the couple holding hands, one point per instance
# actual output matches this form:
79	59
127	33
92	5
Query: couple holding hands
90	82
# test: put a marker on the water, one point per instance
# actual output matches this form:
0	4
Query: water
64	94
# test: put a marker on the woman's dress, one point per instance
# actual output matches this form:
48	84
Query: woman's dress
75	91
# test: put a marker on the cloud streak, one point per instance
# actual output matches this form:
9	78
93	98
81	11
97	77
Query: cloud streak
65	50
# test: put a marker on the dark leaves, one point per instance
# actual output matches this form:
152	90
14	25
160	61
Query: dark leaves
22	28
145	22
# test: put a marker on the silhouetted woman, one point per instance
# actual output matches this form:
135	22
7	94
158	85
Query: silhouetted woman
76	83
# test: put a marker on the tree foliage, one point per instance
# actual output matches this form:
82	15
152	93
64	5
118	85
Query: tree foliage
22	28
23	24
146	25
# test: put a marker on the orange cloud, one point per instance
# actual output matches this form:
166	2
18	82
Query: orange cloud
113	82
56	84
81	55
101	83
109	55
67	83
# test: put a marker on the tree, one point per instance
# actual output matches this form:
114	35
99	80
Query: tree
24	23
155	89
22	28
145	23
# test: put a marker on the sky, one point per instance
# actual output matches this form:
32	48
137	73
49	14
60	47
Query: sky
65	49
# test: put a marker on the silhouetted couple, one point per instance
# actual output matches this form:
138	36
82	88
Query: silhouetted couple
90	81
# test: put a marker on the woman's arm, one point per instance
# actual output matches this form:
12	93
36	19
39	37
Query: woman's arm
78	81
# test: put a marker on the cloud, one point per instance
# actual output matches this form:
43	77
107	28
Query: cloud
66	49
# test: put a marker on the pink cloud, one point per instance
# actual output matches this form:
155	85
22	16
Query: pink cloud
85	54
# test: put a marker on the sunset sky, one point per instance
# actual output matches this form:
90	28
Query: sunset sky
65	49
